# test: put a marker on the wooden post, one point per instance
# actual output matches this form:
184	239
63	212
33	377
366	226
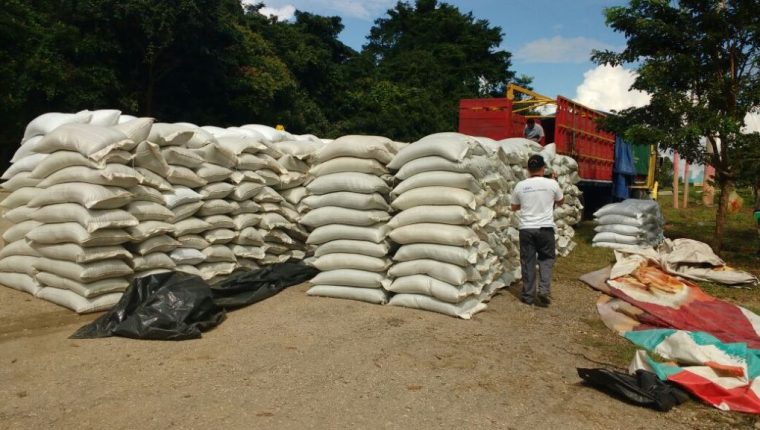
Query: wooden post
685	184
676	161
708	191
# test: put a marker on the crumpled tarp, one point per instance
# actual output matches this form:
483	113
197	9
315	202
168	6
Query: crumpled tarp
179	306
661	300
641	387
687	258
164	306
245	288
714	344
724	375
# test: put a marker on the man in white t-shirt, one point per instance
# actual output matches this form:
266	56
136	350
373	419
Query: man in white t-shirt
535	199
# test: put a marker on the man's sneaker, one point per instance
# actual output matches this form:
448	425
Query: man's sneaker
543	301
526	301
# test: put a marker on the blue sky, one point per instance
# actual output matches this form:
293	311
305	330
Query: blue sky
550	40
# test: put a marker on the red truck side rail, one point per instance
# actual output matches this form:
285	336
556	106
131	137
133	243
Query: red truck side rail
575	131
490	118
576	135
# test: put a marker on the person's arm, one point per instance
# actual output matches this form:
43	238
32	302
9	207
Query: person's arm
515	200
559	197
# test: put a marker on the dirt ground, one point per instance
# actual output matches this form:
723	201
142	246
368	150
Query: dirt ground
295	361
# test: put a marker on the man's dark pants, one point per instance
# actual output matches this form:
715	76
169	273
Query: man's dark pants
536	244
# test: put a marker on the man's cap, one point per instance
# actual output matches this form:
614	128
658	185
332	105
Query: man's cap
536	162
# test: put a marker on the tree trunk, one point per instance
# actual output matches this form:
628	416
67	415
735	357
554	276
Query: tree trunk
726	186
676	162
686	184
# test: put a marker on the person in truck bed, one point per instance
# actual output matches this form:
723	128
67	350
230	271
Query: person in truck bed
533	131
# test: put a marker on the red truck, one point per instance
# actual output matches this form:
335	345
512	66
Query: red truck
572	128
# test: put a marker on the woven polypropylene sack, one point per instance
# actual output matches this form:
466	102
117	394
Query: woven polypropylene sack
370	295
351	261
90	196
429	286
459	255
336	215
91	220
440	234
371	249
348	200
351	278
465	309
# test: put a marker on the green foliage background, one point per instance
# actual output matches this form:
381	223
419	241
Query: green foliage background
221	63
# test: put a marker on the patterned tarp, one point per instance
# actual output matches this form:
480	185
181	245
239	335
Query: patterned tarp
713	346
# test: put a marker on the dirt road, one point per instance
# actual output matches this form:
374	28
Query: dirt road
296	362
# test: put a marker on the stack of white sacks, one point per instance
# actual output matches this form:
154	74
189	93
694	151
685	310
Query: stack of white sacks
518	151
453	199
629	223
283	237
97	198
267	224
217	167
70	186
255	168
298	157
349	214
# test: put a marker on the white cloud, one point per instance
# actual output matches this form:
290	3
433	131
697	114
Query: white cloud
560	49
283	13
547	110
361	9
608	88
751	122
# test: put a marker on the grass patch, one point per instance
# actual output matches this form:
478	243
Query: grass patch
740	242
613	348
584	258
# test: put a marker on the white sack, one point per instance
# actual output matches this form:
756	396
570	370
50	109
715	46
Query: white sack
90	196
351	278
370	295
351	261
337	215
77	303
441	234
464	310
91	220
361	247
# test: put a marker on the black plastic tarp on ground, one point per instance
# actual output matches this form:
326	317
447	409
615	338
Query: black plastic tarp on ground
245	288
179	306
643	388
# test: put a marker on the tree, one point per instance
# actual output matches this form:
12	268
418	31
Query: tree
437	54
665	172
192	60
317	59
700	61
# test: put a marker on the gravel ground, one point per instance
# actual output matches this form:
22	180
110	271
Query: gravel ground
295	361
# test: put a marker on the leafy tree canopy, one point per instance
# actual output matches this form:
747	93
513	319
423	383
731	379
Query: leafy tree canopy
220	62
700	61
